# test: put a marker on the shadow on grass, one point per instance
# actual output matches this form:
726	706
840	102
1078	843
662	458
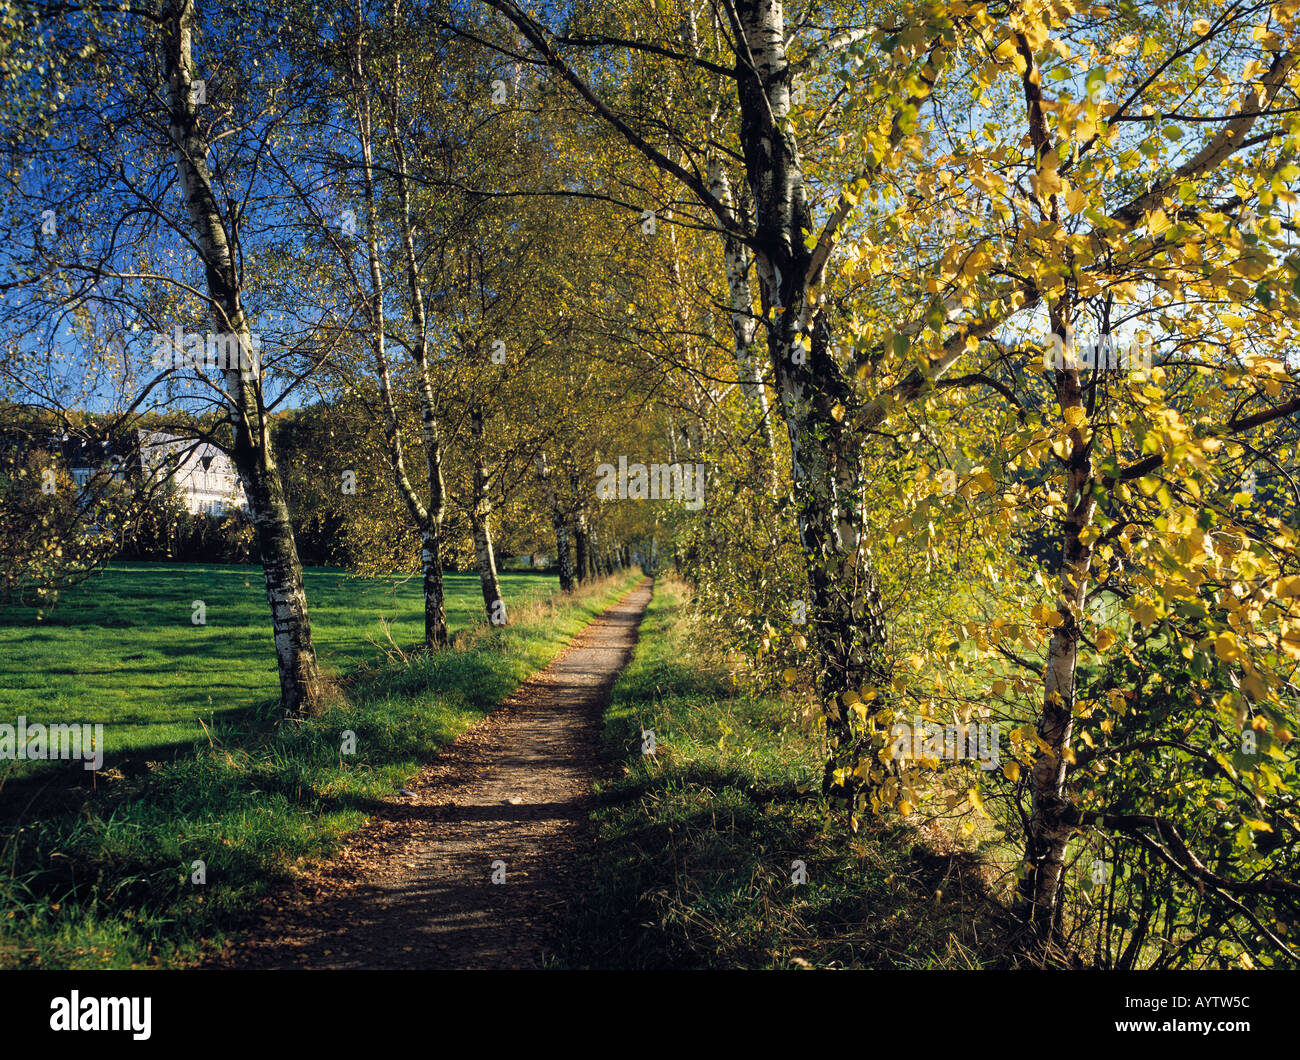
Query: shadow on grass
696	868
719	852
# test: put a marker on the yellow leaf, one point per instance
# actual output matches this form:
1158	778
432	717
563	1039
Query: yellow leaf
1227	648
1143	613
1075	416
1046	183
1011	771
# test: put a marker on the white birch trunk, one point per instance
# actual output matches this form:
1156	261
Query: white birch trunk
845	609
481	529
252	453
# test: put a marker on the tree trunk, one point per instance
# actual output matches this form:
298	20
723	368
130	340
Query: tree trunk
583	548
581	538
564	557
435	608
845	608
252	453
481	525
428	520
1050	827
744	324
431	518
559	524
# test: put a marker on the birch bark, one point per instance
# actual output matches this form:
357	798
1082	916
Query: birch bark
252	453
559	524
481	528
845	611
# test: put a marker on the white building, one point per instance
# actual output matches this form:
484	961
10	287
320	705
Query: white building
203	474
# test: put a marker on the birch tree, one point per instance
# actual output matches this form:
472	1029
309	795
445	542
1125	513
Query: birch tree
368	75
818	403
215	235
130	121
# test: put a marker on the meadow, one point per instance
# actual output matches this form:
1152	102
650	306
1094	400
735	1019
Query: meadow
122	649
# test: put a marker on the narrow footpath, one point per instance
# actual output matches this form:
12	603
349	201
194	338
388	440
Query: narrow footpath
507	801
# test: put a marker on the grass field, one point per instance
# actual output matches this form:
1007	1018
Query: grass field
700	843
122	649
96	869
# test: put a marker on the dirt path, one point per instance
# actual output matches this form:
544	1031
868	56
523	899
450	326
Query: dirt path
415	889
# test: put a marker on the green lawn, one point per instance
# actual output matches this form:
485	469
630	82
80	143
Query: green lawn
122	649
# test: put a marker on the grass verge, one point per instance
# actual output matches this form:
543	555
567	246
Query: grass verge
700	844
